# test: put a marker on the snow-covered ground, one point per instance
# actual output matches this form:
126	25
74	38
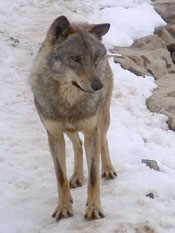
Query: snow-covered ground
28	192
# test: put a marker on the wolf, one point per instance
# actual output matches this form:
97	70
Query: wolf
72	82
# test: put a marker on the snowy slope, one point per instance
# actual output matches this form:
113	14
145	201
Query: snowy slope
28	193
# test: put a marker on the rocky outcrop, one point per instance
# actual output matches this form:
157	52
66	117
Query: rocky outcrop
166	8
163	99
148	55
155	55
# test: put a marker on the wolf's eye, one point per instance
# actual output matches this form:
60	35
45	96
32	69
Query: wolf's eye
76	59
96	57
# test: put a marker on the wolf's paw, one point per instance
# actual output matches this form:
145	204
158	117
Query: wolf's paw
76	180
63	212
109	174
93	213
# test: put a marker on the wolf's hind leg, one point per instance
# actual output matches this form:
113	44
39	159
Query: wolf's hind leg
57	149
77	178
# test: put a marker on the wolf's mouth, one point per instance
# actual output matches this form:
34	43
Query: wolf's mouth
87	91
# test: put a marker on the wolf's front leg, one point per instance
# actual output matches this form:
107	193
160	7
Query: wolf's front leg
92	147
77	178
57	149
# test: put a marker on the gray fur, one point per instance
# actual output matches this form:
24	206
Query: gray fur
51	70
72	84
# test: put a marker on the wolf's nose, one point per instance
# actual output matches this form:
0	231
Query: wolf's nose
96	85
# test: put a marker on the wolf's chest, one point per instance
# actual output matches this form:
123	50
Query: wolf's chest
79	111
61	110
85	106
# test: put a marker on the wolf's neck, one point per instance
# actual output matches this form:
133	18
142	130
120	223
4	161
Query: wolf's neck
69	93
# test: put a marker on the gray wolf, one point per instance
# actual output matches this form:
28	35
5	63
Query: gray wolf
72	84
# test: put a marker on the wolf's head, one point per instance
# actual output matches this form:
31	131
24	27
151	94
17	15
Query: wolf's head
76	52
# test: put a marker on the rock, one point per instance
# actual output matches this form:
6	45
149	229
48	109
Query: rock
149	43
132	63
166	9
150	195
163	99
165	36
145	57
171	49
171	122
171	30
155	55
151	164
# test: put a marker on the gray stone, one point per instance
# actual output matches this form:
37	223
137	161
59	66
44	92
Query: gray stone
151	164
150	195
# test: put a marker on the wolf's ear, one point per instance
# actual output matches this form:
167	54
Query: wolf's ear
100	29
59	28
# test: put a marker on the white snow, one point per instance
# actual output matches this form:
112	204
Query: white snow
28	192
128	24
